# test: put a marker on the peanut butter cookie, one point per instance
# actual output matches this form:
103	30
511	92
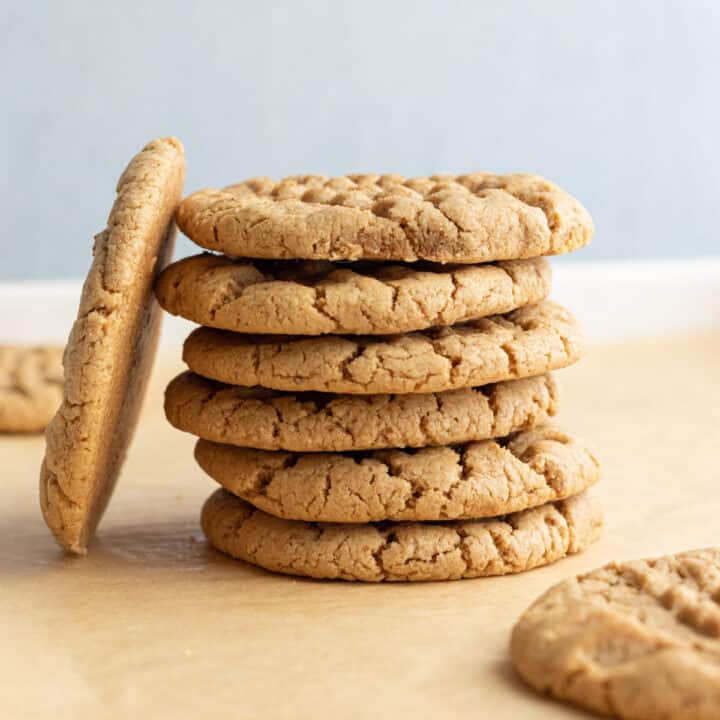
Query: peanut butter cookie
313	422
472	218
316	297
402	551
530	341
111	347
30	387
476	480
638	640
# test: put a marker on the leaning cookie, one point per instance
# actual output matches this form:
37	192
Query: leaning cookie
472	218
111	347
529	341
317	422
476	480
638	640
315	298
30	387
402	551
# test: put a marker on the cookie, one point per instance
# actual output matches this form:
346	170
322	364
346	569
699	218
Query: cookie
30	387
111	347
529	341
476	480
637	640
314	298
473	218
313	422
401	551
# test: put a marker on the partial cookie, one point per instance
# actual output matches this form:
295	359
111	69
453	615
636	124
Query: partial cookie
473	218
314	298
402	551
637	640
529	341
312	422
30	387
111	346
477	480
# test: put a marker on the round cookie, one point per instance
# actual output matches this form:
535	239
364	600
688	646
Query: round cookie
111	347
401	551
638	640
30	387
472	218
315	422
477	480
315	297
529	341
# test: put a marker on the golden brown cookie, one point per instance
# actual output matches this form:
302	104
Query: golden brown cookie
530	341
638	640
402	551
30	387
111	346
473	218
315	297
312	422
477	480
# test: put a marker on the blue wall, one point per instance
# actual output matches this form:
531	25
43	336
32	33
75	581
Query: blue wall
617	101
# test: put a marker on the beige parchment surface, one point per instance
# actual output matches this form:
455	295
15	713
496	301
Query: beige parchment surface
153	623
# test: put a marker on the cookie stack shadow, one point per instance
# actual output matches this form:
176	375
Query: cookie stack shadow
373	391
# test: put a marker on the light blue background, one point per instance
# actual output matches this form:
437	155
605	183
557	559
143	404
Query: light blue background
616	101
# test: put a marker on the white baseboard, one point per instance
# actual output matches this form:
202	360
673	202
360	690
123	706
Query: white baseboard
614	301
620	300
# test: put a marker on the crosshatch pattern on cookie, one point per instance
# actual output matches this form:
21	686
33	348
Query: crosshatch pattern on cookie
478	217
634	639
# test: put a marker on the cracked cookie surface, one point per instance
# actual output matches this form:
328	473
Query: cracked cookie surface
479	217
315	297
402	551
476	480
30	387
111	347
638	640
315	422
530	341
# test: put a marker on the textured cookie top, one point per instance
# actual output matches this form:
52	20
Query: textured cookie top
637	639
402	551
472	218
30	387
318	297
312	422
111	346
530	341
476	480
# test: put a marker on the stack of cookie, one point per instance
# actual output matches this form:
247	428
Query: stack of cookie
372	390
